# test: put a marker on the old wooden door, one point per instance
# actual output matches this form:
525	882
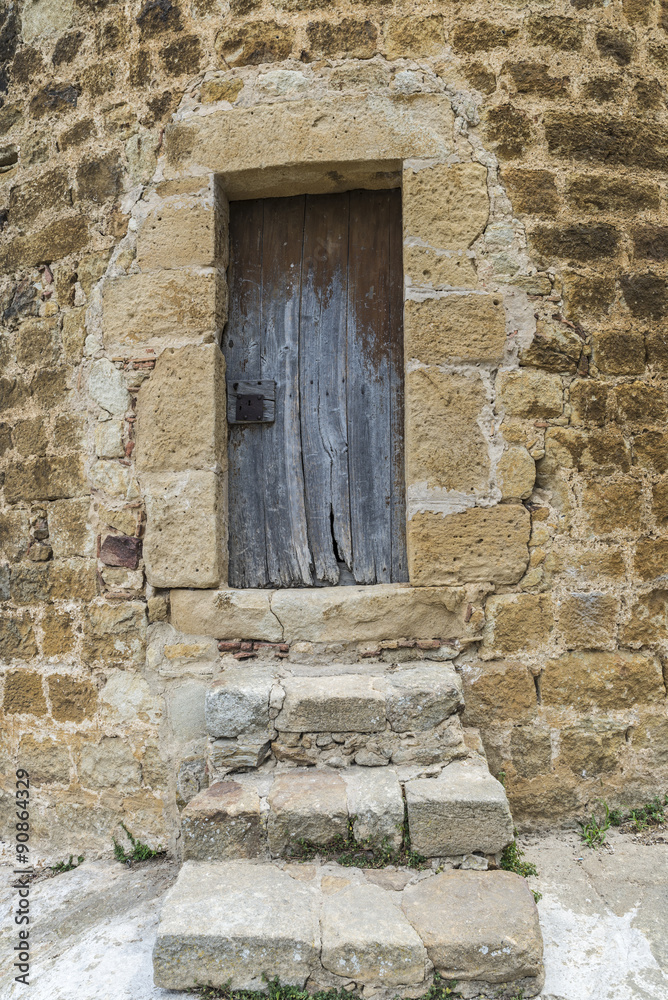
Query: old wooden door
316	494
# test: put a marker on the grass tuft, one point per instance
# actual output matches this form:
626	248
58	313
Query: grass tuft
639	820
440	989
139	852
66	866
511	861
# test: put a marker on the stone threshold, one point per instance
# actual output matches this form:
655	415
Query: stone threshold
330	614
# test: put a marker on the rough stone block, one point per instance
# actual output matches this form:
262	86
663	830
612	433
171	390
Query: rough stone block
421	697
588	621
184	545
445	447
109	764
227	614
489	544
366	937
375	804
430	268
223	822
23	693
516	621
238	702
446	206
227	756
592	747
18	636
613	505
46	760
468	327
72	700
516	473
257	918
465	809
498	692
479	926
52	478
648	619
650	559
181	423
345	704
306	805
180	233
614	680
107	386
115	634
412	37
146	308
530	394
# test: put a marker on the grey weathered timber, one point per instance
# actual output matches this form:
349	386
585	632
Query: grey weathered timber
238	387
399	570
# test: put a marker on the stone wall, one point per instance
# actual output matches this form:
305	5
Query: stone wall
547	172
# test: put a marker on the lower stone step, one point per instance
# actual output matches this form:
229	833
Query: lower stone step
460	811
241	923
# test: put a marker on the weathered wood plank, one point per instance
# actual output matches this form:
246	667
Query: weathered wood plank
322	350
369	460
263	387
398	504
242	349
288	556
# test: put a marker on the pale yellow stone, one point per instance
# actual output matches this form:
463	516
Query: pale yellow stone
412	37
447	206
516	622
428	267
297	144
185	541
181	234
181	421
516	473
481	544
146	308
226	614
445	447
530	394
465	327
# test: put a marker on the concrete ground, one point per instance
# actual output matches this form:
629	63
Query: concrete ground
604	916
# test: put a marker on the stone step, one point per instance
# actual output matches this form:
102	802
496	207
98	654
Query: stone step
334	715
236	924
461	811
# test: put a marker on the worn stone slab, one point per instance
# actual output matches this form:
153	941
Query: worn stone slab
375	804
223	822
465	809
467	327
445	205
226	614
420	697
478	926
226	923
366	937
238	755
306	805
346	703
238	702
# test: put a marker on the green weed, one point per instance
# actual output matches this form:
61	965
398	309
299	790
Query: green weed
594	833
66	866
511	861
139	852
651	814
352	853
439	990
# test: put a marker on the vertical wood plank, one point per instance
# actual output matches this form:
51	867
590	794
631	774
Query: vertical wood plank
369	460
322	352
288	557
242	349
399	572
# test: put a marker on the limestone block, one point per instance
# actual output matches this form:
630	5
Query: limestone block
478	926
227	614
421	697
181	422
411	37
589	621
516	621
650	559
313	131
241	754
502	691
257	918
180	233
612	680
464	810
109	439
46	18
109	764
185	708
530	394
613	505
222	822
116	480
238	702
370	614
445	205
306	805
343	704
376	805
143	309
184	545
469	327
516	473
366	937
484	543
106	385
46	760
445	447
438	269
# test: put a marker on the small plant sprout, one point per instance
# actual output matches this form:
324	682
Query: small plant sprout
511	861
139	852
66	866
